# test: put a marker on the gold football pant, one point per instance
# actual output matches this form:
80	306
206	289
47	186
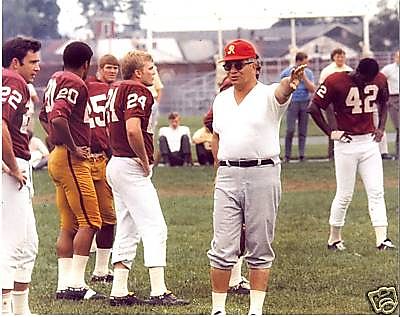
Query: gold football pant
75	192
98	163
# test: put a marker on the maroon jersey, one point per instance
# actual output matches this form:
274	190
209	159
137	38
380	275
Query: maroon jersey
14	97
354	106
97	116
129	99
66	96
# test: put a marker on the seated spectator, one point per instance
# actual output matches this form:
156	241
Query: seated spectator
39	152
202	138
174	142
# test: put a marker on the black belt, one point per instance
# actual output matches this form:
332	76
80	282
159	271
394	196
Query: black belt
246	163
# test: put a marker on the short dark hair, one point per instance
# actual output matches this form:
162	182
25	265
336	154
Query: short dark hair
76	54
173	115
337	51
300	56
18	47
368	67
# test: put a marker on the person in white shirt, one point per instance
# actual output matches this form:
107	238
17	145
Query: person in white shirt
391	71
338	58
174	142
156	90
39	152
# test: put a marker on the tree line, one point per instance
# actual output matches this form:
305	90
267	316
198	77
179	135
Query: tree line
38	18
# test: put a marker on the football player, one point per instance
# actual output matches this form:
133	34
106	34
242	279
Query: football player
18	236
65	116
139	215
100	152
355	97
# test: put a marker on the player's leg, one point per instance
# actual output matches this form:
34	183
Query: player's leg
124	252
260	215
12	234
105	236
302	128
290	128
74	177
238	284
346	160
227	223
27	256
371	172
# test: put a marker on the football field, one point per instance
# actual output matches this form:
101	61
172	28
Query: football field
306	278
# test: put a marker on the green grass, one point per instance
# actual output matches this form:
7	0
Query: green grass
305	278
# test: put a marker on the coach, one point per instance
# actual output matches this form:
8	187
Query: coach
246	149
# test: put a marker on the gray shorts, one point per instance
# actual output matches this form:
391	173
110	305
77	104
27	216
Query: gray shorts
250	195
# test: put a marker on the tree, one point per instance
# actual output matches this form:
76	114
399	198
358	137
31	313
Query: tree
132	8
384	29
35	18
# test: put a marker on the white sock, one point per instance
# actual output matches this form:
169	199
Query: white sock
335	235
381	234
20	302
6	303
218	303
93	246
78	267
102	258
120	282
157	282
256	302
64	270
236	273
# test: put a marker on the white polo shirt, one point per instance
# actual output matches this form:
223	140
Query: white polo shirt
249	130
332	68
174	136
391	72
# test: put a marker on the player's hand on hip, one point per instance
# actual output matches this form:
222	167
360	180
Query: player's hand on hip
341	136
19	176
378	135
145	165
296	76
81	152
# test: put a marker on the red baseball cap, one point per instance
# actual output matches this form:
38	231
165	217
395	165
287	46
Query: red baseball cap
239	49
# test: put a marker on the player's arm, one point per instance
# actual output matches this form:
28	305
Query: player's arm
289	84
9	157
382	115
60	124
214	148
136	142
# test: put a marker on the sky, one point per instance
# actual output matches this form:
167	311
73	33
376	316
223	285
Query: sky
186	15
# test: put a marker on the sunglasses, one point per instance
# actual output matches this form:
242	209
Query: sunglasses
238	64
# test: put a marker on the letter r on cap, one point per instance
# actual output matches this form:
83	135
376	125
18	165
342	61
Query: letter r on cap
231	49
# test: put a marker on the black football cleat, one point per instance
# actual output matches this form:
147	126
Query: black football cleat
337	246
242	288
60	294
386	245
82	293
167	299
108	278
128	300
